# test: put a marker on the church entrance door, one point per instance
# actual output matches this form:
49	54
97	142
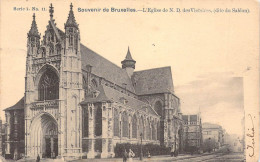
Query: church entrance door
51	148
44	135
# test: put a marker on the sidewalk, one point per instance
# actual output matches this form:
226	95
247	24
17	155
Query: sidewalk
145	159
180	157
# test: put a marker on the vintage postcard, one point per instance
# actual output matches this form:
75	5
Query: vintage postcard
96	80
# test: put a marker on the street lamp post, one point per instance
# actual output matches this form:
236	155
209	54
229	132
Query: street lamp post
141	154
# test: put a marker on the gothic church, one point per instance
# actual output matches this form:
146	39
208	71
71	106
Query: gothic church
77	103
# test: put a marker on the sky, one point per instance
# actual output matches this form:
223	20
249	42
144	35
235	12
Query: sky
209	54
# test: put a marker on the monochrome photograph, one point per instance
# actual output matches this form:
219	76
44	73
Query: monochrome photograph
129	81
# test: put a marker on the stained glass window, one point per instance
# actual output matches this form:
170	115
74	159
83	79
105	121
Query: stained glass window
98	122
116	123
49	86
125	124
134	127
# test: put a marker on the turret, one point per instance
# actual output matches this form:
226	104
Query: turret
128	63
33	38
72	32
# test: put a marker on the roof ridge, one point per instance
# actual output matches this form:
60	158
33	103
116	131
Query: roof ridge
102	57
164	67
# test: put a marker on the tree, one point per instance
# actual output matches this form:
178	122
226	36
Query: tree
208	145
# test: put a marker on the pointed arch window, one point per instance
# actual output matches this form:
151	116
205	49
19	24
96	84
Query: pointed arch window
158	108
125	124
49	86
98	121
153	131
147	129
70	36
85	122
85	87
116	123
93	85
58	49
134	127
141	126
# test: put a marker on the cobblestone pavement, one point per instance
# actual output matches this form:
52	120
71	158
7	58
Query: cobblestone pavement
232	157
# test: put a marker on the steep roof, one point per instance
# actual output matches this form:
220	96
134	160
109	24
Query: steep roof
158	80
104	68
17	106
109	94
128	56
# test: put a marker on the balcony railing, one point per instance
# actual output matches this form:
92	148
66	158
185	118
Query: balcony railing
45	104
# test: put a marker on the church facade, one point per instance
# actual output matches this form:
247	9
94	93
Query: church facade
77	103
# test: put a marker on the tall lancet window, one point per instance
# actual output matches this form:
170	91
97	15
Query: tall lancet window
70	36
125	124
98	121
116	123
134	127
49	86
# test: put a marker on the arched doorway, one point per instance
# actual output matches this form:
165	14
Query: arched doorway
44	136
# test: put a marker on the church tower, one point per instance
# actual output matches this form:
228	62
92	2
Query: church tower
71	89
33	44
33	39
53	90
128	64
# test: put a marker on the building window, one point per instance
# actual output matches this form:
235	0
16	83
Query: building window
93	85
85	122
116	123
49	86
98	123
70	36
125	124
141	126
153	131
147	129
134	127
158	108
58	49
84	85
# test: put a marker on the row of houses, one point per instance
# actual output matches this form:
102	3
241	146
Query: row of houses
200	136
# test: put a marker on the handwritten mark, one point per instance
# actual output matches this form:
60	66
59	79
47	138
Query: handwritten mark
251	135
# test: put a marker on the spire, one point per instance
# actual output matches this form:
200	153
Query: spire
128	62
128	55
51	11
34	30
71	22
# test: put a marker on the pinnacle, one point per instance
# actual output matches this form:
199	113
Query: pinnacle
51	11
34	29
128	55
71	22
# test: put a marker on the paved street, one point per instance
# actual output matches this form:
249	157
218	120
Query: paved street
232	157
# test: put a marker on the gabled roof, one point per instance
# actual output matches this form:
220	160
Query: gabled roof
17	106
104	68
158	80
109	94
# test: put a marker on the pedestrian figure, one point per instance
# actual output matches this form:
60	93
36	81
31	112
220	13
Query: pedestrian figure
148	155
38	158
125	156
131	155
